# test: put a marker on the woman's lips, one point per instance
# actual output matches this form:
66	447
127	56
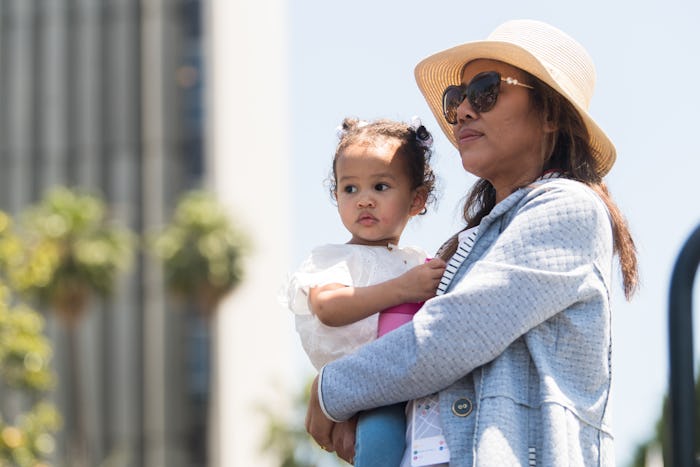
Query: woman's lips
464	135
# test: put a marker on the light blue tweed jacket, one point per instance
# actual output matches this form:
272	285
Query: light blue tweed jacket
519	346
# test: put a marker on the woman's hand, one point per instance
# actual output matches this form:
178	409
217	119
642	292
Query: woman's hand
344	440
331	436
317	424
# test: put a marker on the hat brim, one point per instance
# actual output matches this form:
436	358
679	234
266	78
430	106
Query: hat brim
436	72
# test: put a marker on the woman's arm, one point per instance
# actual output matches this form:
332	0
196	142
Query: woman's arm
339	305
544	261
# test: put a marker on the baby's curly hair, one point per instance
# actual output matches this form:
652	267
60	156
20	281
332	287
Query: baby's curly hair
415	148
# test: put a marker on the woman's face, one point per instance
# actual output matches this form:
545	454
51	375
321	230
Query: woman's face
505	144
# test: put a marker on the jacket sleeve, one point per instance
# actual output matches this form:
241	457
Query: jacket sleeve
542	261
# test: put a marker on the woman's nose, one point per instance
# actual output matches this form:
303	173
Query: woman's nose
465	111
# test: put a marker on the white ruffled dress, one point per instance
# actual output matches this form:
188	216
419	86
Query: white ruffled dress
352	265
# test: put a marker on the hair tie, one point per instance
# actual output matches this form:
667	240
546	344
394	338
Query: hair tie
423	136
342	129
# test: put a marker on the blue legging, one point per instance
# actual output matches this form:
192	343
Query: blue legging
380	439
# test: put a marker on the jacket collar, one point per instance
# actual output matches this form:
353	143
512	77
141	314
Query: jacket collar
512	199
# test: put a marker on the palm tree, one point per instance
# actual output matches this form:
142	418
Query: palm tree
69	252
201	251
87	252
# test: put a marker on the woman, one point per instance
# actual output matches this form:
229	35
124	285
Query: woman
511	365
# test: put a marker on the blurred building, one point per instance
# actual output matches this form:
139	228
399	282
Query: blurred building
248	141
140	100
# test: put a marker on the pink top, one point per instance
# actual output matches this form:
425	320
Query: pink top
395	316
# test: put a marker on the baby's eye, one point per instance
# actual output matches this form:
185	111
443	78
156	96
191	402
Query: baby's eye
350	189
381	187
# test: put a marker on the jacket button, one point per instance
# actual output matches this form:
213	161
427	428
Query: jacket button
462	407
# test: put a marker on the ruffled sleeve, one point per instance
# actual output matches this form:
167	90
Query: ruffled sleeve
329	264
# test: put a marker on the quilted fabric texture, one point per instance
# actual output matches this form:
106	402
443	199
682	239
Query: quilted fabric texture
523	332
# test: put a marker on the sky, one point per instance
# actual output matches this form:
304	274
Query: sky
357	58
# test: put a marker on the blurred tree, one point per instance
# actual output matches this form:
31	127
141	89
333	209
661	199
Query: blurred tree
63	251
661	439
288	438
201	251
68	251
27	419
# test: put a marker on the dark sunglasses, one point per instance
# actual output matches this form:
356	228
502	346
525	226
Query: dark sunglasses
481	92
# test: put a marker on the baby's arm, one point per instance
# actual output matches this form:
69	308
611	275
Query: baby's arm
338	305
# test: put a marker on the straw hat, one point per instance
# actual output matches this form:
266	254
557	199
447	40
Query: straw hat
536	47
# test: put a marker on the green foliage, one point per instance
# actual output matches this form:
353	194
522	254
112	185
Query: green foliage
200	249
26	440
25	267
29	442
661	436
63	250
24	351
288	438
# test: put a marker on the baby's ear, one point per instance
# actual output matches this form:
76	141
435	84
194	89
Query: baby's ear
420	197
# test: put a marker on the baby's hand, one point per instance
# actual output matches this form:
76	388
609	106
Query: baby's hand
419	284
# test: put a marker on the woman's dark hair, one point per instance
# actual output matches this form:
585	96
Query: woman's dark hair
569	152
415	147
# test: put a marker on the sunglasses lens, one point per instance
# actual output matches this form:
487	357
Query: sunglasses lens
481	92
451	98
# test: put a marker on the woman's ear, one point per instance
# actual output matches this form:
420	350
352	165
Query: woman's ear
420	197
550	126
